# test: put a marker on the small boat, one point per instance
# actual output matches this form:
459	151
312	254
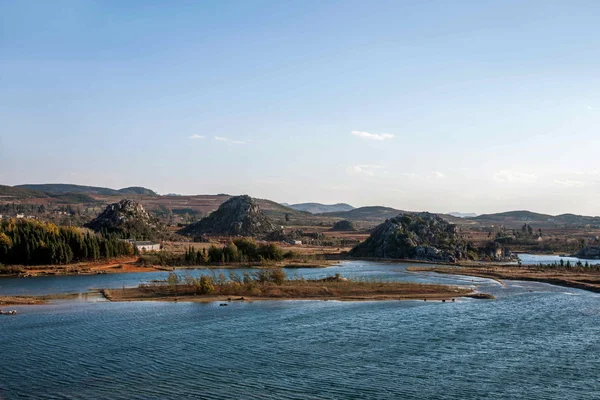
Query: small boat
10	312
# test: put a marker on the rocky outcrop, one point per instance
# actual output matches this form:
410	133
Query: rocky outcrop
127	219
343	226
238	216
421	236
589	253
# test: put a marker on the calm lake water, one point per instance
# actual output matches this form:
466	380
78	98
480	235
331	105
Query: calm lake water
528	259
536	341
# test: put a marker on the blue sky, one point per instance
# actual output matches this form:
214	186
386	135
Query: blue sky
474	106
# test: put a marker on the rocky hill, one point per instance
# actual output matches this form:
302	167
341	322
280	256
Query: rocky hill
240	215
127	219
589	253
422	236
343	226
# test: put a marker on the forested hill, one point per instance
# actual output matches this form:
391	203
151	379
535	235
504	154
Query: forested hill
27	242
11	192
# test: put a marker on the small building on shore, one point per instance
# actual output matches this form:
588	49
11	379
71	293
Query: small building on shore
144	245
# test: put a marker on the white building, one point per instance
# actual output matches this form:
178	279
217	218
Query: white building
144	246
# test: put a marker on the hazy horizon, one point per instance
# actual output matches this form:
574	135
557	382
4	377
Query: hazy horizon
445	107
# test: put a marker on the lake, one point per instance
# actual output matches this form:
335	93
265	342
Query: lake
535	341
534	259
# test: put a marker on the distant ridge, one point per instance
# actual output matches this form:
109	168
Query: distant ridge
524	216
62	188
318	208
137	190
463	215
370	213
19	193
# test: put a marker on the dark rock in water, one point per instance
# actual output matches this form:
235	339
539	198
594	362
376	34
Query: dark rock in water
239	215
127	218
421	236
589	253
343	226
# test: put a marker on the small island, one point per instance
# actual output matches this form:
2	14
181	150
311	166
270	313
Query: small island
273	285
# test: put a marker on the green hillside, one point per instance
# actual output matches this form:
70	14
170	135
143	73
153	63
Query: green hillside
17	193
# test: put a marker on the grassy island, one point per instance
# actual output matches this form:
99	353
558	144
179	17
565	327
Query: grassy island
273	285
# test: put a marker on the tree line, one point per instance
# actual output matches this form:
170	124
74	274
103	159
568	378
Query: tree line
240	250
27	242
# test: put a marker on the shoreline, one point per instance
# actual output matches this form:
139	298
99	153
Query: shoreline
129	266
575	280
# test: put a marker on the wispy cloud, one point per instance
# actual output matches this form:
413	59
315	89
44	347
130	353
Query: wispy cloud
506	176
364	169
423	176
196	137
590	107
231	141
569	183
373	136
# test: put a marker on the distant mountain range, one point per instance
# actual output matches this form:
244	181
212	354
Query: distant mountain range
463	215
282	214
318	208
62	188
370	213
516	218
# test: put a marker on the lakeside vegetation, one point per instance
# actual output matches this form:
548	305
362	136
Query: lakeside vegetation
30	242
241	250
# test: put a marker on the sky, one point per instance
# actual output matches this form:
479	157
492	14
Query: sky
471	106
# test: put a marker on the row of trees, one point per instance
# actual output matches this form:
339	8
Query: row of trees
235	283
240	250
28	242
568	265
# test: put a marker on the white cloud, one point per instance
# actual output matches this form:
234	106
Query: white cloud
590	107
196	137
363	169
569	183
422	176
373	136
223	139
505	176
